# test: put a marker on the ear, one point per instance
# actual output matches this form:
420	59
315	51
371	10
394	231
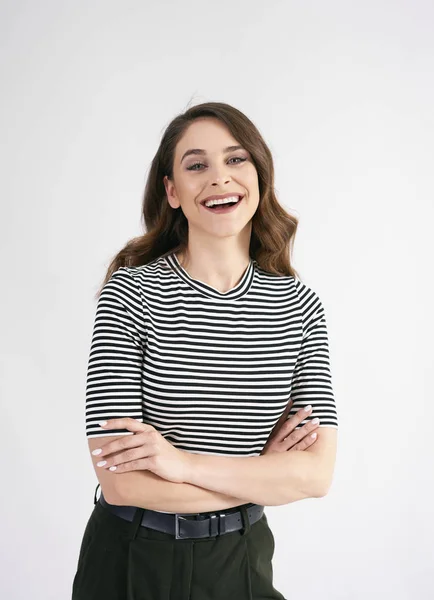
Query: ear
171	193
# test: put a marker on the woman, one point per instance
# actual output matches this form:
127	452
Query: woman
205	341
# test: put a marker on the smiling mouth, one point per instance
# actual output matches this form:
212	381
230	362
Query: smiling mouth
223	208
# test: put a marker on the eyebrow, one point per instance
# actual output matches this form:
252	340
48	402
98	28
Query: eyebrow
202	152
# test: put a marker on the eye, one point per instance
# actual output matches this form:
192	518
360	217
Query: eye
192	167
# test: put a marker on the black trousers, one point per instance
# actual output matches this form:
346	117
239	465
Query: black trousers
123	560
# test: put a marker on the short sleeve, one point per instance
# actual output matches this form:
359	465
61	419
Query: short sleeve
114	372
312	379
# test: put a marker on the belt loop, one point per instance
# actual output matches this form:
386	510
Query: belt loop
245	518
94	496
137	521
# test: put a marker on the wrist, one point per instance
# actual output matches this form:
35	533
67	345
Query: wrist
189	466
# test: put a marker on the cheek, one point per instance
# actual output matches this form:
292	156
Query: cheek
192	190
250	179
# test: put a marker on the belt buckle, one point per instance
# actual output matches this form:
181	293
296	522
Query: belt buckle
178	517
217	525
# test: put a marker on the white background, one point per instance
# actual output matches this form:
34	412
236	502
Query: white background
343	93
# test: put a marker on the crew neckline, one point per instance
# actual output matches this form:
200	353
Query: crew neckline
238	291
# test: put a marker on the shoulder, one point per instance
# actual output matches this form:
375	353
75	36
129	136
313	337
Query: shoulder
121	281
135	275
122	288
273	282
136	283
300	294
311	307
144	274
308	297
304	291
122	299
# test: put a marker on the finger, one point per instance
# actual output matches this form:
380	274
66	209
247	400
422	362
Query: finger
291	424
306	442
125	441
132	454
298	434
293	438
125	423
120	444
142	464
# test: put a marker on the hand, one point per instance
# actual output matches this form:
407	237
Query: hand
147	450
281	439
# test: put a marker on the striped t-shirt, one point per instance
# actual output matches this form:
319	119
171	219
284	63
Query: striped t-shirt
211	371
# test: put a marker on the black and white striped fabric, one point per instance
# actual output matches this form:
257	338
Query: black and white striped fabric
211	371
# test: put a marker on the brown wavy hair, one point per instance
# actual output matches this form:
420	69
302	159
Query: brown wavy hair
273	229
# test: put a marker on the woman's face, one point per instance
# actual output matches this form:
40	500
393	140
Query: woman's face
210	170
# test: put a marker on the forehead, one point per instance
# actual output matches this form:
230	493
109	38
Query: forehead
207	134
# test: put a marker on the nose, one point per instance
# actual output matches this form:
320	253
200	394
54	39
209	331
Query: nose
219	177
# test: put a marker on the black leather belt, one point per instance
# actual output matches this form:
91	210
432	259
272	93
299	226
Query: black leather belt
189	525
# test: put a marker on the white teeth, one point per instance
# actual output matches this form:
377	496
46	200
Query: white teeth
222	201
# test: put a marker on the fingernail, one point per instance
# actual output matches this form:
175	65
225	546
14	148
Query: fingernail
315	421
113	468
308	407
102	423
313	435
97	451
101	463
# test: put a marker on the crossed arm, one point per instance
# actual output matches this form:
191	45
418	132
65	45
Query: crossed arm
219	482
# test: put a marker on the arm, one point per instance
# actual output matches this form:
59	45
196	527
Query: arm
271	479
147	490
218	482
114	371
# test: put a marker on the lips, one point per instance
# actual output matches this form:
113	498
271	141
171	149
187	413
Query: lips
224	208
220	196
